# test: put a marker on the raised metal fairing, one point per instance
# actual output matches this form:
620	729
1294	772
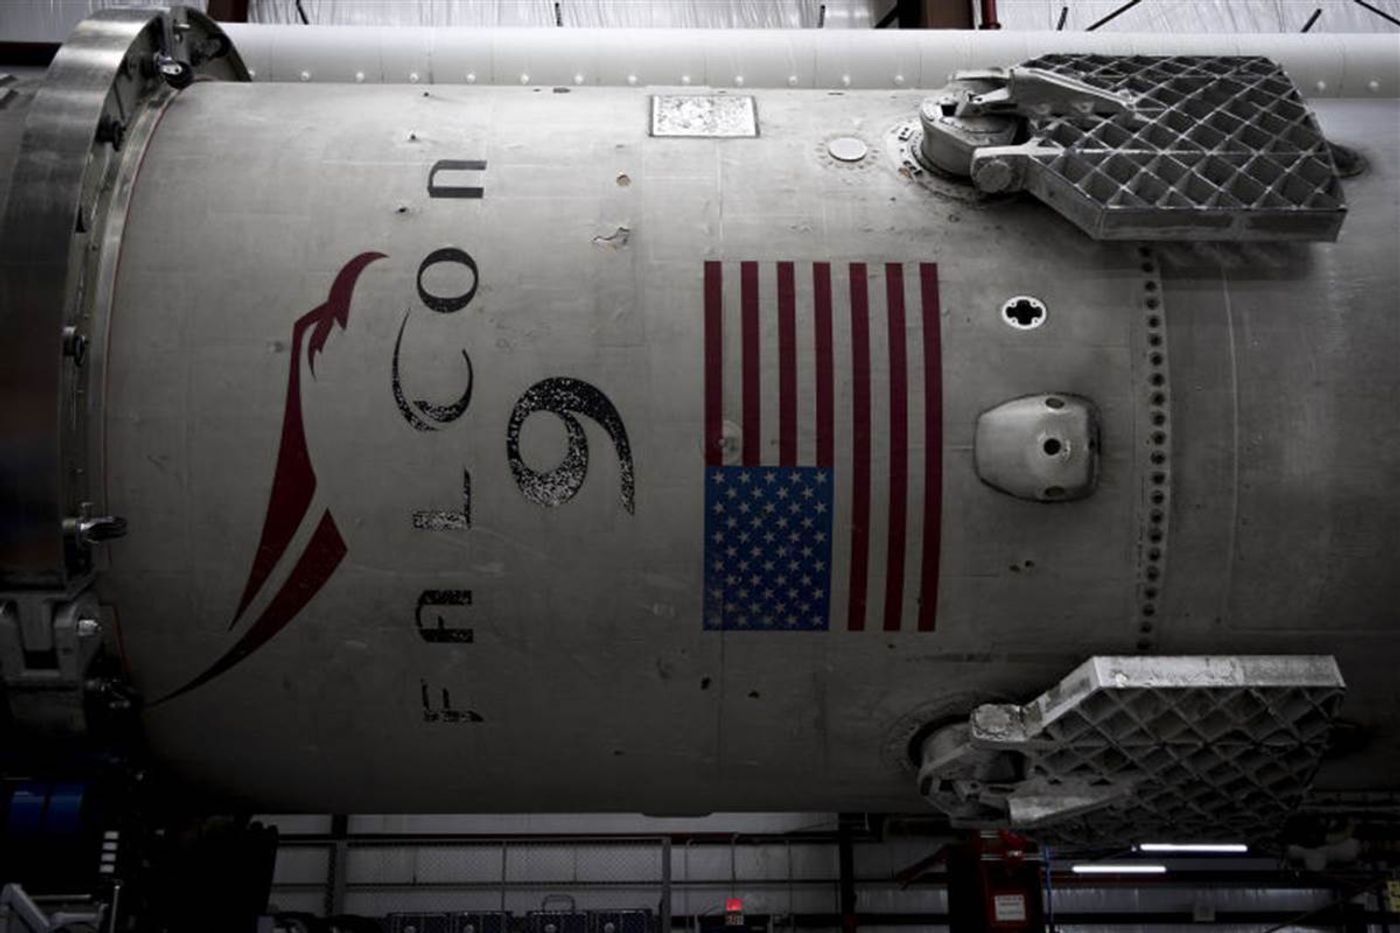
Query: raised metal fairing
1147	148
106	83
1042	447
1151	746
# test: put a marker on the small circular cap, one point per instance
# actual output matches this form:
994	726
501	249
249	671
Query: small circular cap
847	149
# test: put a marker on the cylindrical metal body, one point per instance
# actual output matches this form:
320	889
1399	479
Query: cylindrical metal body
367	571
1322	65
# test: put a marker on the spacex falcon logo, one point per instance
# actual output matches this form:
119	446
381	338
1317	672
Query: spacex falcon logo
293	486
291	515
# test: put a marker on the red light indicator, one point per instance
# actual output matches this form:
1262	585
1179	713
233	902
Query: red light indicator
733	905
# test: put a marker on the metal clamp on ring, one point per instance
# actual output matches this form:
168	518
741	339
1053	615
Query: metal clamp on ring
86	129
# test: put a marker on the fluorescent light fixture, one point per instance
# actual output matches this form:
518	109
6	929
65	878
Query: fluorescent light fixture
1130	868
1192	847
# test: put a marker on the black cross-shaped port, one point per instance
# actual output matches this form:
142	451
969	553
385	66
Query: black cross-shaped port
1024	312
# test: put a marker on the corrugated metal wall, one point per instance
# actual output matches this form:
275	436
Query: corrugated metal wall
521	863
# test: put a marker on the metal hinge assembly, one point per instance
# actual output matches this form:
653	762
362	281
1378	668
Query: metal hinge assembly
1143	147
1213	745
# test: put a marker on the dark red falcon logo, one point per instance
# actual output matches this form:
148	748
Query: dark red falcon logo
293	486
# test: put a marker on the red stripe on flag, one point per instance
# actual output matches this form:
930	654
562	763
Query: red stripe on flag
825	364
860	447
748	285
899	448
714	364
787	366
933	445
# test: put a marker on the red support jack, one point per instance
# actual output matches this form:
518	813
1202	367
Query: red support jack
994	884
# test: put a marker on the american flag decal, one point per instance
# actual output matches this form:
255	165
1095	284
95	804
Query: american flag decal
826	511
